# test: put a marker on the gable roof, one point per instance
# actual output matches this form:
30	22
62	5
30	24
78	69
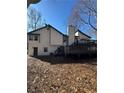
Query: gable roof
36	30
47	25
83	33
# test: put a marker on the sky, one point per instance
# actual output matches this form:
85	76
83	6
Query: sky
56	13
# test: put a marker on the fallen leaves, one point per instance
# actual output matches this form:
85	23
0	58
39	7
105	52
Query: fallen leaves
42	77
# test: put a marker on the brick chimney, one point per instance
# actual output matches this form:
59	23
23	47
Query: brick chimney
71	34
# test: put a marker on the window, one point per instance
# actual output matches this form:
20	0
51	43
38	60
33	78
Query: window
45	49
36	38
30	37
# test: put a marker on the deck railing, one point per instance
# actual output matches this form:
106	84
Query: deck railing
83	47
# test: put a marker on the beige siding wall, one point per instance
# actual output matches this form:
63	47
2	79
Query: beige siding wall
31	45
81	36
45	35
56	38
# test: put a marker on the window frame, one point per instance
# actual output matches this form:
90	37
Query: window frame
35	39
45	49
30	38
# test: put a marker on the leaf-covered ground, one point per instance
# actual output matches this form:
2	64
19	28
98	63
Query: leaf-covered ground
72	77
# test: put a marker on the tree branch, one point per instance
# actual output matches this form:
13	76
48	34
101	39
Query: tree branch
91	24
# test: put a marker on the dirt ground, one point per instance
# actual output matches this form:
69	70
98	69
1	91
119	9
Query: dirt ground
70	76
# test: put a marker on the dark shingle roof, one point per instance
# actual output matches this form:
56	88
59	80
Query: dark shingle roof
47	25
83	33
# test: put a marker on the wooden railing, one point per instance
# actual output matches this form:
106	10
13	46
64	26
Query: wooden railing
86	47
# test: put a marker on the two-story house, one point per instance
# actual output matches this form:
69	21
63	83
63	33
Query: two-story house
46	40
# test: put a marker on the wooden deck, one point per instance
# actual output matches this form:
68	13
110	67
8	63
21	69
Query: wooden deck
83	48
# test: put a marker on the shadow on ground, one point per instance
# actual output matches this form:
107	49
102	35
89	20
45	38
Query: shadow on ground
69	59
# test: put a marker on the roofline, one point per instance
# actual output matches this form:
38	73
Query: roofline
32	34
47	25
83	33
37	29
56	29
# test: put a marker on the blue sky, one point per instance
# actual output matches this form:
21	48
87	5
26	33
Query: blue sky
56	13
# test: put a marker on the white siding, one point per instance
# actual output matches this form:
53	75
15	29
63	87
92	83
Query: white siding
56	38
81	36
50	39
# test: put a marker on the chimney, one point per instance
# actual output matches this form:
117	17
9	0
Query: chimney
71	34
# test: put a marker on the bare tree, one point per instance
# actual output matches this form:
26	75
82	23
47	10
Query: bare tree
84	13
34	19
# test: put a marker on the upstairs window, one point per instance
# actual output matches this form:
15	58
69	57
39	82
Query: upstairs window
36	38
30	37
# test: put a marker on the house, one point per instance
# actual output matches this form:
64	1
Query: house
79	43
48	40
75	35
44	41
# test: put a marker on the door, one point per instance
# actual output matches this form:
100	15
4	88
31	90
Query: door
35	51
